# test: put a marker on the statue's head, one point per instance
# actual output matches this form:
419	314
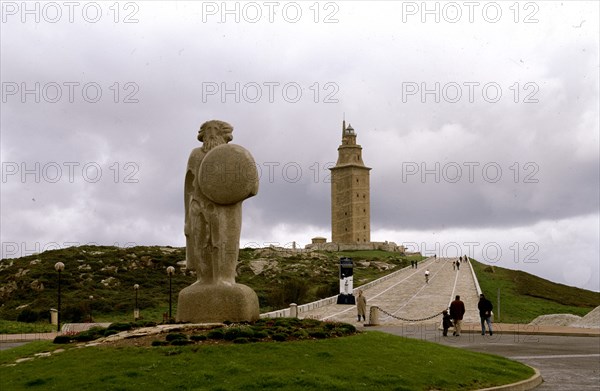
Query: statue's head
213	133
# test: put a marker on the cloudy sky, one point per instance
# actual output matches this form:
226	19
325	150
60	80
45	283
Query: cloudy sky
480	122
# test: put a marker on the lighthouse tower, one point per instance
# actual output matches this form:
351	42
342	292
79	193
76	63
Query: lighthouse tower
350	198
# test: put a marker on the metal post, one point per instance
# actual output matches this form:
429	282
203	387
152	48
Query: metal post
91	317
59	310
170	302
136	311
58	266
170	271
498	305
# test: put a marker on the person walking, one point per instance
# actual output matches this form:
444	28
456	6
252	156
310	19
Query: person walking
457	311
426	276
361	305
453	265
446	322
485	313
458	264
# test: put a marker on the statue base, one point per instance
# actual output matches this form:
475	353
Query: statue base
200	303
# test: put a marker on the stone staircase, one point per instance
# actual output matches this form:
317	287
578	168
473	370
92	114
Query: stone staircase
407	296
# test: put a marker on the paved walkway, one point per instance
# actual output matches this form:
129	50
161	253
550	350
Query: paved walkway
407	296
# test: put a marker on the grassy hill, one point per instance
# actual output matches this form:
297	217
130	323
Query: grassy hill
29	284
523	296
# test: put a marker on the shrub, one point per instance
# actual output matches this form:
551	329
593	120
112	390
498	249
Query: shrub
329	290
308	323
300	334
241	340
90	335
199	337
27	316
215	334
348	328
72	314
159	343
280	337
61	339
120	326
319	334
238	332
260	334
173	336
181	342
108	332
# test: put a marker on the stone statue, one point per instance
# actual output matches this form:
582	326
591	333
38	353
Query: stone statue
219	177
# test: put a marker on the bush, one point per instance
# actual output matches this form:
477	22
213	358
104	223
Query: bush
292	291
108	332
120	326
72	315
280	337
61	339
215	334
27	316
261	334
181	342
348	328
241	340
159	343
200	337
173	336
319	334
238	332
300	334
329	290
90	335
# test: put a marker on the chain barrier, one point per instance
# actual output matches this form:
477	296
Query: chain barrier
409	320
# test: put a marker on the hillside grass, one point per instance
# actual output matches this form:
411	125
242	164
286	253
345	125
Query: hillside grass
370	360
523	296
108	274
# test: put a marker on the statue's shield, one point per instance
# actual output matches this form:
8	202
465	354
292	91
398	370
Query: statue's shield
228	174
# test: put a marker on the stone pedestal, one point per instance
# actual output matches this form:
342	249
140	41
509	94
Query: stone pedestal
217	303
374	316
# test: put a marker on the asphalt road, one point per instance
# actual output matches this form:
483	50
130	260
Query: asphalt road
566	363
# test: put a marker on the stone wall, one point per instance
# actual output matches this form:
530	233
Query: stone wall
331	246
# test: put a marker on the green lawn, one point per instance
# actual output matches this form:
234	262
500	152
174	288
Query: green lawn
523	296
370	360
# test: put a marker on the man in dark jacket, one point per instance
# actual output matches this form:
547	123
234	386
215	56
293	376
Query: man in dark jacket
485	313
457	310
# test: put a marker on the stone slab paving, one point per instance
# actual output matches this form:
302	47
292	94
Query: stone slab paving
408	296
